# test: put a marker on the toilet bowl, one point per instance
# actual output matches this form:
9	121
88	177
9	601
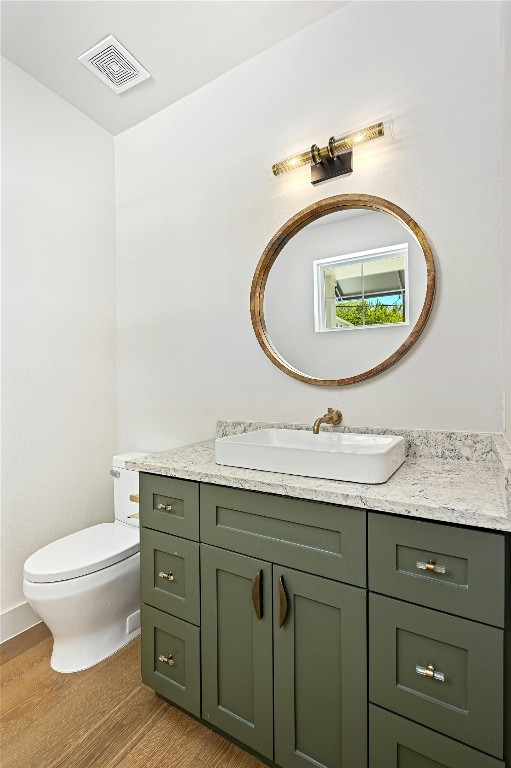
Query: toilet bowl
86	586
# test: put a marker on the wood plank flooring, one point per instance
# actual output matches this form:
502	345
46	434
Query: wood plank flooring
100	718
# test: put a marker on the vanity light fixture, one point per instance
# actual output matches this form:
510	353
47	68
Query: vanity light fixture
336	159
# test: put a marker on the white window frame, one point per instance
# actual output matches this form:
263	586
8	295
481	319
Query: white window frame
375	254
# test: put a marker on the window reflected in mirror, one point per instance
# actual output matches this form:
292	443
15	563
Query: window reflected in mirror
362	290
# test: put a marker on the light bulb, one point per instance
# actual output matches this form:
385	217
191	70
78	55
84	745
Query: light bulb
305	157
336	146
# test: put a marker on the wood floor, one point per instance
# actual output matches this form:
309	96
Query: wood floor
99	718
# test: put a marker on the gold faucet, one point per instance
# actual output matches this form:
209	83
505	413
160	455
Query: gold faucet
331	417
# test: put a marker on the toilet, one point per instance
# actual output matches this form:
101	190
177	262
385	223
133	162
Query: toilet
86	586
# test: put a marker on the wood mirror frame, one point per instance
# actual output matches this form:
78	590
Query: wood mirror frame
289	230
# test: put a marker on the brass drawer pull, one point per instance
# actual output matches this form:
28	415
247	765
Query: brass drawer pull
431	566
167	659
430	671
166	507
135	497
169	576
135	515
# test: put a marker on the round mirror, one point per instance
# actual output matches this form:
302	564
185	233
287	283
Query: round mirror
348	295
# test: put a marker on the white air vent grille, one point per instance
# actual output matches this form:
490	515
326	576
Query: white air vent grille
114	65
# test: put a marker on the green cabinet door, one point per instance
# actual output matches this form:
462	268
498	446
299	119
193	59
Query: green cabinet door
237	686
320	672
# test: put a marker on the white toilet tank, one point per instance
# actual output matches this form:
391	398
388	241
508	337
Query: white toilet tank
125	485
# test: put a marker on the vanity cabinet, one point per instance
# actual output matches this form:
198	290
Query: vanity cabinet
323	635
297	642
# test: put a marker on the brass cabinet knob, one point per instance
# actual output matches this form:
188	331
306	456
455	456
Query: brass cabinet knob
169	576
431	672
167	659
430	566
166	507
135	497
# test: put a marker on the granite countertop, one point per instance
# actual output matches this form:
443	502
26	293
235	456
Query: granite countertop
462	478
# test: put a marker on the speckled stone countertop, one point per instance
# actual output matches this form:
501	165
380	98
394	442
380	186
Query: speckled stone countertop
453	477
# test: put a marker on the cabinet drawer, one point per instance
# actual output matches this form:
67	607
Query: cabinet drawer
165	637
319	538
169	569
471	564
170	505
468	704
398	743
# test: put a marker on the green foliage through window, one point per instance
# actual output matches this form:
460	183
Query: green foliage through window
363	312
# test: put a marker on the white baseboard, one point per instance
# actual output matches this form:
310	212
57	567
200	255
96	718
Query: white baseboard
17	620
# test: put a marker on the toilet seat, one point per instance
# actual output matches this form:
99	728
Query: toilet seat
83	552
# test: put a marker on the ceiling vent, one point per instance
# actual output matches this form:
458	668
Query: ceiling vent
114	65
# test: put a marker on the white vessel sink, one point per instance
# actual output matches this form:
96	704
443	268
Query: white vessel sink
329	455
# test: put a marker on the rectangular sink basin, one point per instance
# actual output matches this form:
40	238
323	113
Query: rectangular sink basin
329	455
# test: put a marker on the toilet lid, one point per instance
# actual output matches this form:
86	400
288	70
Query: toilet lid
82	552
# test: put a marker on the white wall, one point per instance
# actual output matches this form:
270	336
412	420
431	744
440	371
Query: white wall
58	329
506	204
195	210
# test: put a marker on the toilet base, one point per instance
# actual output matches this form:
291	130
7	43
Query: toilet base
88	615
59	658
